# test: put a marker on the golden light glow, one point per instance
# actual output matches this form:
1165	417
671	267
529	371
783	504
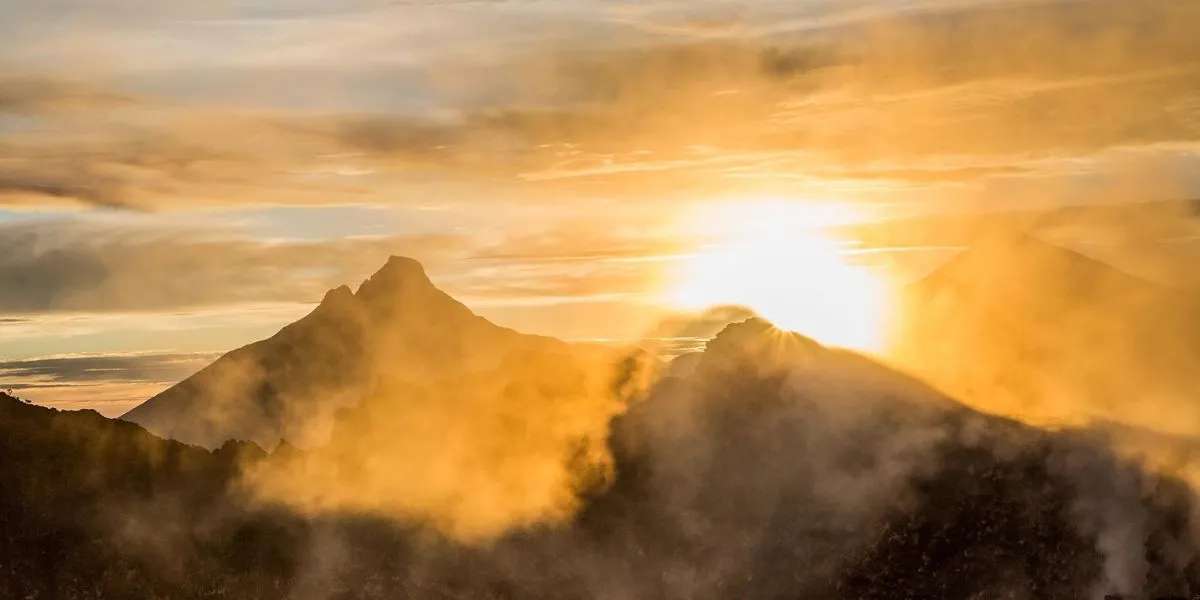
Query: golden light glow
777	259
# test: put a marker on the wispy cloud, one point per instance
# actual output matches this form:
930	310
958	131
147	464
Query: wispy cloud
73	266
922	87
34	95
547	145
148	368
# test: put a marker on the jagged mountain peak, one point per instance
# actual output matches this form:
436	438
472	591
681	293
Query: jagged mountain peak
398	324
337	294
753	327
399	273
755	342
756	331
338	297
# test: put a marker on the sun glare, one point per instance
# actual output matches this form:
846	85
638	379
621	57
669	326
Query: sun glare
777	259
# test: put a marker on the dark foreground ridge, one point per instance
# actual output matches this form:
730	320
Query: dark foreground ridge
773	468
1116	597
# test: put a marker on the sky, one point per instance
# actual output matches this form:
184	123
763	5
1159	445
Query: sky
179	178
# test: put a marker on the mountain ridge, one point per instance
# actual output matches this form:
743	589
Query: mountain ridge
1000	252
778	468
397	324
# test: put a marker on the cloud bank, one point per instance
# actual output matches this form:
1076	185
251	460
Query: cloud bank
954	98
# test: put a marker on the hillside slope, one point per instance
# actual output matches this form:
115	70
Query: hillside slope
776	468
396	327
1021	327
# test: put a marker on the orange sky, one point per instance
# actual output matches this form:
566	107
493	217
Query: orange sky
181	177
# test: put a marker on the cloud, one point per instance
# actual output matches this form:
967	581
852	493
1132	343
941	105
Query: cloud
976	82
38	95
88	272
149	368
941	97
1142	222
156	157
108	383
592	259
54	267
83	187
113	262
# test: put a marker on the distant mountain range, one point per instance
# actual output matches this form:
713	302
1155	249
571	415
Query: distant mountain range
446	457
1013	325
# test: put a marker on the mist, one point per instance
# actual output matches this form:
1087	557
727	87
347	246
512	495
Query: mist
1021	174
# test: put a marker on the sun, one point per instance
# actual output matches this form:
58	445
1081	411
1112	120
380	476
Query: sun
776	258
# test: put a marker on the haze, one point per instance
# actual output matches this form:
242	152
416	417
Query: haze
599	299
178	178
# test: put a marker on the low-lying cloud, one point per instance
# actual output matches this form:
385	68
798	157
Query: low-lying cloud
110	384
153	368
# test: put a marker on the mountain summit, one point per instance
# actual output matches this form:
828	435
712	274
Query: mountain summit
1019	266
398	326
1023	327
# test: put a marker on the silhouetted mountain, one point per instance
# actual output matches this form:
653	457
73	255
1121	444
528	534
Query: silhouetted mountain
95	508
396	327
776	468
1020	326
1026	270
781	469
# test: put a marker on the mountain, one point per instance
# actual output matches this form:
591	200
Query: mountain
775	468
1025	269
1022	327
782	469
396	327
97	508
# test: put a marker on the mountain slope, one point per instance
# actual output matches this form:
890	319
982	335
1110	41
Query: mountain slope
782	469
776	468
1022	327
97	508
397	326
